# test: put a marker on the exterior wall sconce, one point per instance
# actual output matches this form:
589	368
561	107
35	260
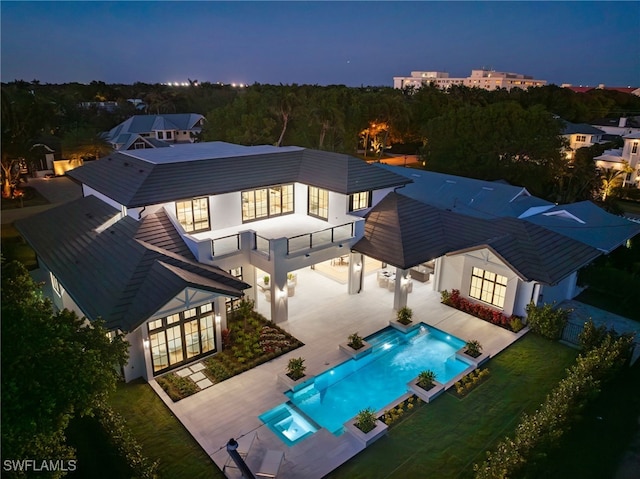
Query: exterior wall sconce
358	267
218	319
145	343
282	294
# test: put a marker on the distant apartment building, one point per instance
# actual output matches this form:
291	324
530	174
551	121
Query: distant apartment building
485	79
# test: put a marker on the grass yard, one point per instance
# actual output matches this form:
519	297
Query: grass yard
15	248
448	436
161	435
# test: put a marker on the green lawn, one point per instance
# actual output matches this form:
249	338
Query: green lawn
445	438
161	435
15	248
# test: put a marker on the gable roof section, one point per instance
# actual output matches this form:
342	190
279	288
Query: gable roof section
587	223
405	232
107	270
143	177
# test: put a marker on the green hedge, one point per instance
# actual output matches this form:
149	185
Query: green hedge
538	433
547	320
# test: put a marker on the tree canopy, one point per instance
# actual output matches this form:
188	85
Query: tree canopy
54	366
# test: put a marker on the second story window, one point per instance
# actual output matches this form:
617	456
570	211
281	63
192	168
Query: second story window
581	138
160	135
360	201
193	214
267	202
169	135
634	148
318	202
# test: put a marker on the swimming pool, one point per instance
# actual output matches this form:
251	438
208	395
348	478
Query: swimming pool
376	379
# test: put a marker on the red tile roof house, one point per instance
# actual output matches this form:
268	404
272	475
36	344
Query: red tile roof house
166	240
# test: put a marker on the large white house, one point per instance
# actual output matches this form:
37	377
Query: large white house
166	241
580	135
621	158
485	79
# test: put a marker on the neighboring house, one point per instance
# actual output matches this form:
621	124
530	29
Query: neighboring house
166	241
580	135
618	126
155	131
620	158
109	106
485	79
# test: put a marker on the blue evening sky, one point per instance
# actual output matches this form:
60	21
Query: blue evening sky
351	43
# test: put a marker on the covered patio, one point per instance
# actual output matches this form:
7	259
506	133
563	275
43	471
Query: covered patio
322	315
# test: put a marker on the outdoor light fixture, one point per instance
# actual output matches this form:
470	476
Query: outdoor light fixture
357	267
218	319
146	343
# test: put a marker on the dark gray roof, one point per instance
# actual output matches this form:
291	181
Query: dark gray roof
580	128
469	196
405	232
588	224
121	270
132	181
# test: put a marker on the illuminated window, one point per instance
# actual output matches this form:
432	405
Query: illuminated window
581	138
193	214
318	202
180	337
360	201
267	202
488	287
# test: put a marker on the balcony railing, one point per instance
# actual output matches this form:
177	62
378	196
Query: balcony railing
324	237
225	245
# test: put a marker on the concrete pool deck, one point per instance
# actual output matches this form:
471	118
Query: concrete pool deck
322	316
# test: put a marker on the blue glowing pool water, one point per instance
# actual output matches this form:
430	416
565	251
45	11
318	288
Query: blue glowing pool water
288	424
378	378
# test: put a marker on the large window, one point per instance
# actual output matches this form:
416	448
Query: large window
318	202
360	201
193	214
266	202
488	287
181	337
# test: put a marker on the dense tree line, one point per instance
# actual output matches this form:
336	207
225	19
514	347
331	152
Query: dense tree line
473	132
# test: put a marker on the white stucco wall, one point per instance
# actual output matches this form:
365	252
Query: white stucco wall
565	289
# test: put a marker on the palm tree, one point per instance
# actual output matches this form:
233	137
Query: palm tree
611	178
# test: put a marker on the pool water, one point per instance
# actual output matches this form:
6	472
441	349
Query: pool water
288	424
376	379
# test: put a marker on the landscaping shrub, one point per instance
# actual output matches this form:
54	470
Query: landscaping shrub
547	320
366	420
177	387
470	382
591	336
537	433
493	316
394	414
124	442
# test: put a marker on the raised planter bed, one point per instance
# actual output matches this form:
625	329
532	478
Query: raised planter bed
405	328
356	353
426	396
289	383
366	438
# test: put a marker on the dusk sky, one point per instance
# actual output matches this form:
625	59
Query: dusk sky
350	43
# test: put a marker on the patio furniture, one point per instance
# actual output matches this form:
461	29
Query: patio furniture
244	444
270	464
421	273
